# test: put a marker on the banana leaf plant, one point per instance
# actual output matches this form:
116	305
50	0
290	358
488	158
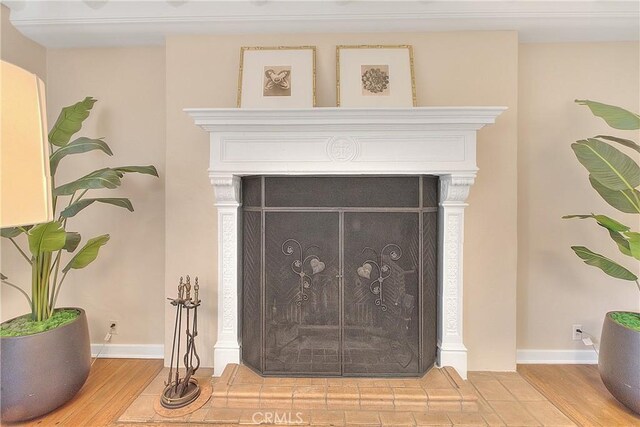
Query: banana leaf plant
47	244
616	177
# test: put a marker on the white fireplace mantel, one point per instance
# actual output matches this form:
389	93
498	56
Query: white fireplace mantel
346	141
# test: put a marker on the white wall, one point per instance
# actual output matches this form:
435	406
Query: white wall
20	50
555	289
126	282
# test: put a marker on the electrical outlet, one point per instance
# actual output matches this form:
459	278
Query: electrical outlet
113	327
575	332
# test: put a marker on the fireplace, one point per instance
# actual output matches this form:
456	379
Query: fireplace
339	275
282	154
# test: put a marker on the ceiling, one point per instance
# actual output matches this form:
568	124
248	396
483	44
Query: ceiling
58	24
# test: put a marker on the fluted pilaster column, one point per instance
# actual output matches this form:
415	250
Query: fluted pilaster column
228	202
454	190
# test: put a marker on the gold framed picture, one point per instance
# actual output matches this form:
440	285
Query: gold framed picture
277	77
375	76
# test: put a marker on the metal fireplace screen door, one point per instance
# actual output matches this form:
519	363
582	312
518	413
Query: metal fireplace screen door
339	275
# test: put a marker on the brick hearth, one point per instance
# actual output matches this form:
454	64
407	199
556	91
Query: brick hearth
439	389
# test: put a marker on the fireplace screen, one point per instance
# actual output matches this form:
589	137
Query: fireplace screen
339	275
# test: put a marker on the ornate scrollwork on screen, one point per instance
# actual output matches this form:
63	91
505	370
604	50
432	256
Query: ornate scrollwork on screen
311	262
383	270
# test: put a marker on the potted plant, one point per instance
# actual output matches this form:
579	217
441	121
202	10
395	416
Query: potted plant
45	355
616	177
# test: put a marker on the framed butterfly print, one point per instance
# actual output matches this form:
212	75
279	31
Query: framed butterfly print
375	76
277	77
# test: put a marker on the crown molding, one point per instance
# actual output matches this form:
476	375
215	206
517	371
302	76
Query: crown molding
60	24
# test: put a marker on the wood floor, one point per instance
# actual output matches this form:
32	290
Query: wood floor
111	387
579	393
114	383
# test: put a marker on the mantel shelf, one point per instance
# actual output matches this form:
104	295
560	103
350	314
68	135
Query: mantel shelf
469	117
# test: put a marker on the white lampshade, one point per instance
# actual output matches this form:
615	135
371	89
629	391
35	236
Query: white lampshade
25	179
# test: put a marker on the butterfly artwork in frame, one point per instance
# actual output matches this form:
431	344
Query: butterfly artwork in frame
277	77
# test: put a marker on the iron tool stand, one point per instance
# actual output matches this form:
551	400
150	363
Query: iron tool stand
180	392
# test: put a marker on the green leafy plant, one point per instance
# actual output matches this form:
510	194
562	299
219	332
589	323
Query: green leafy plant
47	242
616	177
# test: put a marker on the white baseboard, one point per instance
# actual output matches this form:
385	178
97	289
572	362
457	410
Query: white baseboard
128	351
561	357
156	351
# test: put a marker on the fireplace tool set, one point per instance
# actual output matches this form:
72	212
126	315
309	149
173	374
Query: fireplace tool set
180	392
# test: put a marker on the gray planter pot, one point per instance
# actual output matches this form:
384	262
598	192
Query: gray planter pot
43	371
619	362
